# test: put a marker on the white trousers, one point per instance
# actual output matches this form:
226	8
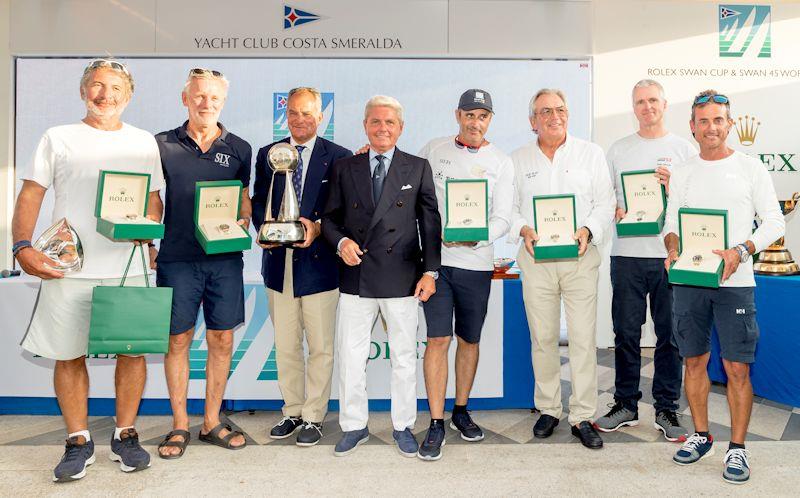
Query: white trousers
355	318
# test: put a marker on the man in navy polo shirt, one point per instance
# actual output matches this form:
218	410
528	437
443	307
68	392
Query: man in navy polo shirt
302	281
200	150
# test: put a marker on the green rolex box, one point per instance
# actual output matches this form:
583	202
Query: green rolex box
216	212
645	204
701	232
554	222
466	210
121	206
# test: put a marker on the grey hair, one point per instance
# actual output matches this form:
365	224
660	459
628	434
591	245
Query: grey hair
384	101
126	75
307	89
207	75
648	83
711	93
545	91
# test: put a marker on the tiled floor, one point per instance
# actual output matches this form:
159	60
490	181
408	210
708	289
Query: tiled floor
769	422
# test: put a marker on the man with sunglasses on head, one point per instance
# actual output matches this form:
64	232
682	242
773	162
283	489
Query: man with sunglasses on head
720	178
201	149
465	277
69	159
637	270
555	164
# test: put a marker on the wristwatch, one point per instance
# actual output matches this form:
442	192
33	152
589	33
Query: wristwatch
744	253
433	274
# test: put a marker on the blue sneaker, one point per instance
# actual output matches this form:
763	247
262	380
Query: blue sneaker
78	454
406	443
431	447
350	441
462	422
737	468
694	449
128	452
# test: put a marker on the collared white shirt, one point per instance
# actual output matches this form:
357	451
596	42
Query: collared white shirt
306	155
489	163
578	167
373	159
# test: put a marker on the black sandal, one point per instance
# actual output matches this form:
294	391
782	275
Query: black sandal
166	443
223	442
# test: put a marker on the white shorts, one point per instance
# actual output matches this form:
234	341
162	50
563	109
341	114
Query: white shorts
59	328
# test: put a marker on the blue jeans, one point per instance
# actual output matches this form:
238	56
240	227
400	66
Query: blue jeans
632	279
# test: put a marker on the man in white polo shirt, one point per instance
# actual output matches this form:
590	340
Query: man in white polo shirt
68	160
558	163
637	270
465	277
721	178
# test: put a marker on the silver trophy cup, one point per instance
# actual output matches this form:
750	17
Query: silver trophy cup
286	229
62	245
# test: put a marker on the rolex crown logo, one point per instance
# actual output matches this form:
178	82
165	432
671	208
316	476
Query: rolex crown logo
466	197
704	228
555	213
122	191
217	199
747	129
644	187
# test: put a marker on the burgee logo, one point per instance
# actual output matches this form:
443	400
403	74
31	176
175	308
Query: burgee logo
293	17
745	29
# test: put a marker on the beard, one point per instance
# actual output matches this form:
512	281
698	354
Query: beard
105	112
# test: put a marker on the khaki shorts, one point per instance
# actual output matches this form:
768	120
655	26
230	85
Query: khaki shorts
59	328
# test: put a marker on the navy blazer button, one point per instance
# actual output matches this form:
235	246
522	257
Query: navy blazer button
399	203
366	250
389	250
355	205
360	230
391	230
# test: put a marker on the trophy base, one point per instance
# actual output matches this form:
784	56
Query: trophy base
777	262
282	232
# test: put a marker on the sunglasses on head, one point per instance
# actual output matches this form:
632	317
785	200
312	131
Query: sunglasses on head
98	63
704	99
202	70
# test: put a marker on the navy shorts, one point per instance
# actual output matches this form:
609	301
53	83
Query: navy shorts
217	285
731	309
463	293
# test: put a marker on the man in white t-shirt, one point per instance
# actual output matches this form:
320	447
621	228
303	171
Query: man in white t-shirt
720	178
68	159
465	277
557	163
637	270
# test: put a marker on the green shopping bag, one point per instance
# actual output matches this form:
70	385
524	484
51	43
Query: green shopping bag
130	320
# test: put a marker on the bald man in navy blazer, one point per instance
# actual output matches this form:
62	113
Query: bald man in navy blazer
383	219
302	280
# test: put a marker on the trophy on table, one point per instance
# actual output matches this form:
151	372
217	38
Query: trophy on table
776	259
62	245
286	229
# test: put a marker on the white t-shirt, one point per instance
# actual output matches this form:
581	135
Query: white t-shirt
69	159
741	185
636	153
490	163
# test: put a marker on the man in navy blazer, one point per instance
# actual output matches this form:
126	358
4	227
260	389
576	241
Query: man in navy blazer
302	280
383	218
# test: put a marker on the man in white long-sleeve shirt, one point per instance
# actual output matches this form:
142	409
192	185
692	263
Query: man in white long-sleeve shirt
558	163
720	178
465	277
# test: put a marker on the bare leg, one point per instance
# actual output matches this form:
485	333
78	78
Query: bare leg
71	383
697	385
220	348
435	366
176	369
740	398
466	365
129	378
